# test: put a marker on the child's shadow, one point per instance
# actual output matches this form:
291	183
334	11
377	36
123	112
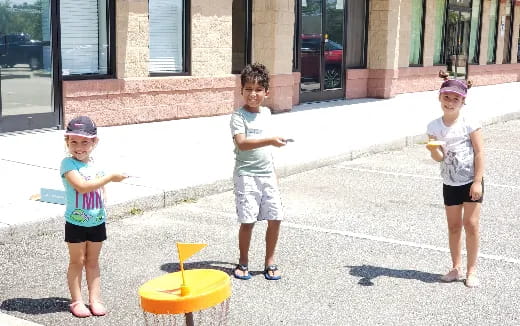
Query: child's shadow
368	273
225	267
36	306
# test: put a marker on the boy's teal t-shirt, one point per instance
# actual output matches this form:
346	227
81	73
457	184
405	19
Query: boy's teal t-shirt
82	209
258	161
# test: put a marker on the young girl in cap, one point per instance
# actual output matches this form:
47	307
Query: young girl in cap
85	214
456	142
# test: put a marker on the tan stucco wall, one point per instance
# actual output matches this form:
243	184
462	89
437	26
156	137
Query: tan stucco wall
429	33
383	34
506	48
211	37
132	38
273	34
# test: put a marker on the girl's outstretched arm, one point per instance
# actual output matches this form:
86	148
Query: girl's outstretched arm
82	186
478	149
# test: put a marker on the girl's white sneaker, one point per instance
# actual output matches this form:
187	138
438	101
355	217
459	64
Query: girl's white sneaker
472	281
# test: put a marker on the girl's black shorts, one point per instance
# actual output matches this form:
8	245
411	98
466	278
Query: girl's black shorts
78	234
457	195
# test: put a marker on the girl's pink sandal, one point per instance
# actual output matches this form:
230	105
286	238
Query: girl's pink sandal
78	309
97	308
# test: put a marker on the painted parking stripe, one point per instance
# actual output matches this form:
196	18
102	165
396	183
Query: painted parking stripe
392	241
502	150
199	210
418	176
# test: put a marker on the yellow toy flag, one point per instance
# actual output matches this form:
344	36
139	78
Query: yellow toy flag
186	250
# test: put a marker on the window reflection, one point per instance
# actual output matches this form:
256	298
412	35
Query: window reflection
25	57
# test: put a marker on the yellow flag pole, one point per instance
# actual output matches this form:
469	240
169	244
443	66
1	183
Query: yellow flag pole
185	290
185	251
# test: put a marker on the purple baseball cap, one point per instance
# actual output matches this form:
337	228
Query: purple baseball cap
81	126
454	86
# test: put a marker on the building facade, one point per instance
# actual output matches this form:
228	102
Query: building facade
135	61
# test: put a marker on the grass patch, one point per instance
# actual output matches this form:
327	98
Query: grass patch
136	211
187	201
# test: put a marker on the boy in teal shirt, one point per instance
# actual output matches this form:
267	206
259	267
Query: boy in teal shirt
256	188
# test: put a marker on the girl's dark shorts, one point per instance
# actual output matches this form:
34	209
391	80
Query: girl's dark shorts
78	234
457	195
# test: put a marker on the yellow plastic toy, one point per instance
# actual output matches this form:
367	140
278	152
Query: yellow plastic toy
184	293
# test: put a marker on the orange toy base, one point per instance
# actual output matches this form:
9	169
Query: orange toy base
206	288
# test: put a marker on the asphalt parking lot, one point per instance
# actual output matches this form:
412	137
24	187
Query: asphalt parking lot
364	243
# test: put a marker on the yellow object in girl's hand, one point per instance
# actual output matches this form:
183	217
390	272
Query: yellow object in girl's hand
434	142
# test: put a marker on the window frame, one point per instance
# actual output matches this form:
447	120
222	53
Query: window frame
478	41
186	42
111	30
364	60
296	66
248	36
511	29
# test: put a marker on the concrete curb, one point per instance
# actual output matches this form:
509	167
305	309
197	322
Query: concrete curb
167	198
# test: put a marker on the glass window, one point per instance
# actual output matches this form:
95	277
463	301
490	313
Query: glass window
416	32
167	36
508	29
85	46
492	35
518	53
241	45
356	33
474	36
440	17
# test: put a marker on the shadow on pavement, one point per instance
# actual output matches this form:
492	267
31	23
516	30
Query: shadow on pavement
368	273
218	265
36	306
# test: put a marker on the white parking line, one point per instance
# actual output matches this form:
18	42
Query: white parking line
502	150
392	241
397	174
500	129
199	210
418	176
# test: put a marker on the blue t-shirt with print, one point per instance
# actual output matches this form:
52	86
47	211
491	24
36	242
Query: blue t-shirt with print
82	209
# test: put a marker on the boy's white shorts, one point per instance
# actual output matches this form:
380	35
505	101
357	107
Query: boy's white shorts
257	198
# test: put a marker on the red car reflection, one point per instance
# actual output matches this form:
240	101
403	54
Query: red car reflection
310	56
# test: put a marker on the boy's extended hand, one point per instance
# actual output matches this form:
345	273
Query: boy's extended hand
278	141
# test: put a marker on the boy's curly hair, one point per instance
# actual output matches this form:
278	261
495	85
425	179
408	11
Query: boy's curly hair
255	72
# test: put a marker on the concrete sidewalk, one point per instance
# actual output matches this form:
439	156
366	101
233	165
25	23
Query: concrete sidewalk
184	159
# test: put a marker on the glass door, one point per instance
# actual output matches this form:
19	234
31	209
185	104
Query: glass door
458	28
26	66
321	50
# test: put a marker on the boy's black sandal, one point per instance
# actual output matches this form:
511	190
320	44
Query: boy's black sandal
271	268
242	268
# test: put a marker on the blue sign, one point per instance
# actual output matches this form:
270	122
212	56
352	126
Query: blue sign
52	196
